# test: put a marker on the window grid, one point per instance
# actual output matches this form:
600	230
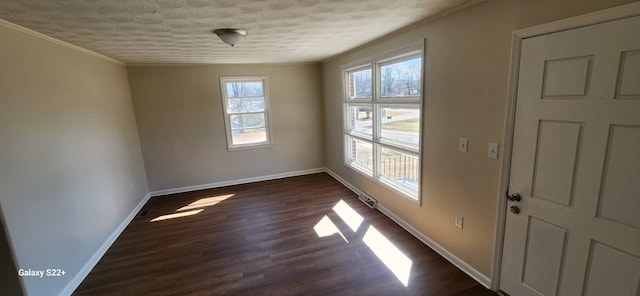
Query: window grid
395	163
241	134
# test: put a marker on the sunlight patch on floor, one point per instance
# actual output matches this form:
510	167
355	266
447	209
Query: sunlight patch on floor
326	227
177	215
389	254
348	215
205	202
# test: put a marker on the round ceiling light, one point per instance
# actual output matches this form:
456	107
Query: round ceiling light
231	36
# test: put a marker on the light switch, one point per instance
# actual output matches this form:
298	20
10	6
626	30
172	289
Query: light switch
459	221
463	145
493	150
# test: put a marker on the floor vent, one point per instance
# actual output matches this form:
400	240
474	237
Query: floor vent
368	200
144	213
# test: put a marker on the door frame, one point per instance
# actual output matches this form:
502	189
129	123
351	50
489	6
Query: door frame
611	14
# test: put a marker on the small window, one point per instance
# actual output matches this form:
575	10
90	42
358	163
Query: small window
246	110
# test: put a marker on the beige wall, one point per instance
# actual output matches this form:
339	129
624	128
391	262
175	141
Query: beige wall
68	149
180	118
467	64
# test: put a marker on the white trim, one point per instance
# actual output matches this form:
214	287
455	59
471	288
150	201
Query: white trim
606	15
413	50
236	182
264	80
453	259
204	64
39	35
589	19
84	271
404	29
344	182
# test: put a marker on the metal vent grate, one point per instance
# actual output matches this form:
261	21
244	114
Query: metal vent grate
368	200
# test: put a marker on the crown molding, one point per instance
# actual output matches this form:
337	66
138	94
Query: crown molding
39	35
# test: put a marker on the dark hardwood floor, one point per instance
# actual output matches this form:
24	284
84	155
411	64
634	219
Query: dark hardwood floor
271	238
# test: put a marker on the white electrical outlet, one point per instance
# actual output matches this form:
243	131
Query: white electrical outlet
463	145
493	150
131	185
459	221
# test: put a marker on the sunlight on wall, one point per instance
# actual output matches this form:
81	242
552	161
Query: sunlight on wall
205	202
389	254
326	227
348	214
177	215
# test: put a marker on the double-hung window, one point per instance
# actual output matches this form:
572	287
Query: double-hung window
246	111
382	116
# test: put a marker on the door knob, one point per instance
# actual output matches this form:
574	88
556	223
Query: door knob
515	209
514	197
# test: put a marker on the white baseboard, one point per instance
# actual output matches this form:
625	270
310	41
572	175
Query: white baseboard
236	182
459	263
84	271
343	182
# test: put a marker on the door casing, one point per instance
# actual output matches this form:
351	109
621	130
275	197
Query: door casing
602	16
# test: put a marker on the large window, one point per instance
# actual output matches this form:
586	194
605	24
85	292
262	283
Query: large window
246	110
382	115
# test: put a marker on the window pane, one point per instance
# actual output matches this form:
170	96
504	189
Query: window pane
360	119
242	105
244	89
249	136
239	121
361	153
401	169
360	84
401	125
401	79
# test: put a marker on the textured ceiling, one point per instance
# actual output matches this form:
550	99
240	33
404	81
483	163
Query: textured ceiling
179	31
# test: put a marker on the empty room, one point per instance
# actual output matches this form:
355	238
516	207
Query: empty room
299	147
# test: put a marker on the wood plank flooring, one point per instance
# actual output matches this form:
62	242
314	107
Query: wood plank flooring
262	240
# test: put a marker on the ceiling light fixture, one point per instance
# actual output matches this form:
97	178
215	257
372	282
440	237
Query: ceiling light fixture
231	36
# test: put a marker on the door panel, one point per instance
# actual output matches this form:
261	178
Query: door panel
543	256
555	161
576	164
629	76
600	278
623	156
566	78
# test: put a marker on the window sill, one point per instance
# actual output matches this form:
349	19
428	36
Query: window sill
249	147
413	197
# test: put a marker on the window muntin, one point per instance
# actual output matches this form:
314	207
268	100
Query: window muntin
360	119
360	154
245	101
360	83
400	169
401	78
385	144
400	125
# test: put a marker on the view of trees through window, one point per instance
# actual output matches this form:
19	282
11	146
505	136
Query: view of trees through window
245	106
401	79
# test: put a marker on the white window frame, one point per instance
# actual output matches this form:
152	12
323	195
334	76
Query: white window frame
227	116
377	102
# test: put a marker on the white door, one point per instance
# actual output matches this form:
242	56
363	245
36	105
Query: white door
576	165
